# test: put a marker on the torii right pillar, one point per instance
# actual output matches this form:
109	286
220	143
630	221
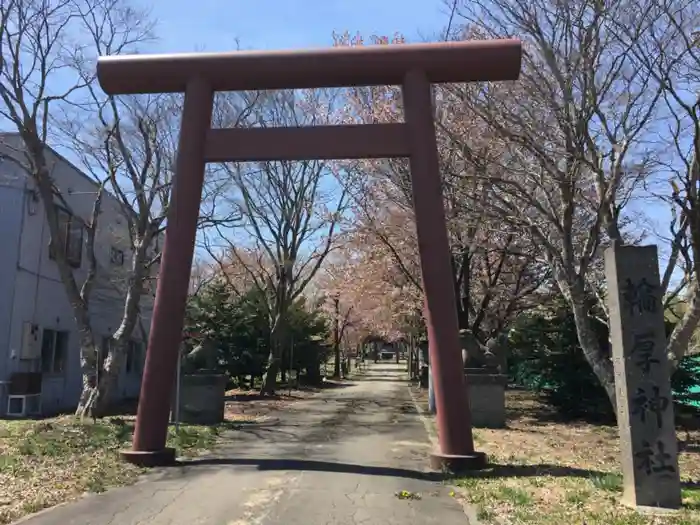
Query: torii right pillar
451	397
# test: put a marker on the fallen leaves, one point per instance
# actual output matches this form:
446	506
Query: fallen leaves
405	494
248	405
44	463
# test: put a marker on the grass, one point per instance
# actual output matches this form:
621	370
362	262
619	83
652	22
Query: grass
549	472
51	461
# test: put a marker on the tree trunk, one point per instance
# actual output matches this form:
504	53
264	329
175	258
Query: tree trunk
601	364
336	364
682	334
269	382
108	379
95	398
409	364
77	297
336	339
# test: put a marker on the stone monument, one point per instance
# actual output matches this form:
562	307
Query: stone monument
648	443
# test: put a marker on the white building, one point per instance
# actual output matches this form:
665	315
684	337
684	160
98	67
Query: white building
37	329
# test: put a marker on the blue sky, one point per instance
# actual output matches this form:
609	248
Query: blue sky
286	24
217	25
214	25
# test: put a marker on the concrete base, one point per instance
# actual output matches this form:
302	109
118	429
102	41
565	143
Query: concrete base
458	464
651	511
149	459
487	398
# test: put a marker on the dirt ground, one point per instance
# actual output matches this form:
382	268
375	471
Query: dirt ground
249	403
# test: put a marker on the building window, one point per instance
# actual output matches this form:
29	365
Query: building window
134	357
54	349
116	257
70	237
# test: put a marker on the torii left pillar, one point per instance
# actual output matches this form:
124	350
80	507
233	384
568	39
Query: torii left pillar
176	262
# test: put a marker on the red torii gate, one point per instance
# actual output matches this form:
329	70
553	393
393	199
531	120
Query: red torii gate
199	75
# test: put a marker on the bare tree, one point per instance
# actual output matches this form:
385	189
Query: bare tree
203	273
131	145
134	143
572	139
667	45
290	216
42	44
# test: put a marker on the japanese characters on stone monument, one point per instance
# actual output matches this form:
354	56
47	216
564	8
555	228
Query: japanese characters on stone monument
648	444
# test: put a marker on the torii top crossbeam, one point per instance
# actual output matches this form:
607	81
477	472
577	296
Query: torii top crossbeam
475	60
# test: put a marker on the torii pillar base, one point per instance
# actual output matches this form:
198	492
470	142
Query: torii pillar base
454	464
149	459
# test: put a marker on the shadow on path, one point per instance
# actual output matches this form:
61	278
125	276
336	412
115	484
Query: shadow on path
315	466
388	371
495	470
380	379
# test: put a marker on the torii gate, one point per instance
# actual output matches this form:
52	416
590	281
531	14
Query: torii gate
199	75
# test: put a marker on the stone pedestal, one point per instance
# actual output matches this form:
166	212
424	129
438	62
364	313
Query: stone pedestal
202	398
648	443
487	397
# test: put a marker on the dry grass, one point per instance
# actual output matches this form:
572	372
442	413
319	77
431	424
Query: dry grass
44	463
550	472
47	462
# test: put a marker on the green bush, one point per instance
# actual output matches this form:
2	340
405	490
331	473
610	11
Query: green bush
239	326
546	358
685	382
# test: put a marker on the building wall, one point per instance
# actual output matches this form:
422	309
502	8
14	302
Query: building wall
40	295
11	205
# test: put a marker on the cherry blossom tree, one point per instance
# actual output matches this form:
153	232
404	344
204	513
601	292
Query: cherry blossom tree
496	273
